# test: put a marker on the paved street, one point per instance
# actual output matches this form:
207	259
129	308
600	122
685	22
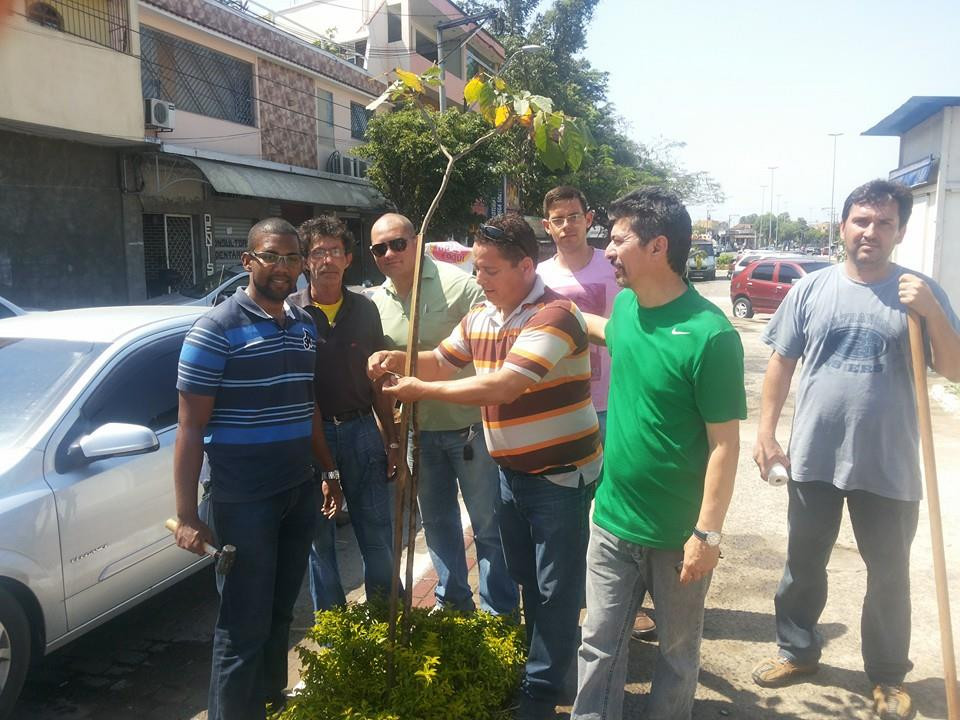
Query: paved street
153	662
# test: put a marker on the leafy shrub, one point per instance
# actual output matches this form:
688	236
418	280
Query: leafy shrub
456	667
725	260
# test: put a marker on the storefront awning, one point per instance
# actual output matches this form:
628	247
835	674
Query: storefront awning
290	186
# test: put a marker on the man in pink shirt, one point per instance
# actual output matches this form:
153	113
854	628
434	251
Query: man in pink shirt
581	273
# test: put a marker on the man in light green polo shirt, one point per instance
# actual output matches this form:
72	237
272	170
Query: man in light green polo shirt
452	446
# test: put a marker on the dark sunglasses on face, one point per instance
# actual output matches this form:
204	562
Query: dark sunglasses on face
397	245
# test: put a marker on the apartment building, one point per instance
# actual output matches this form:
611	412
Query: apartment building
141	140
382	35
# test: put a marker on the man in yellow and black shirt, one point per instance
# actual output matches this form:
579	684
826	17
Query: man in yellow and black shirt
363	454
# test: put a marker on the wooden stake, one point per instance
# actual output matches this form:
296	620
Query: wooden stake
918	358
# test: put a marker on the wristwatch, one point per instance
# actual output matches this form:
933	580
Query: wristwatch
712	539
330	475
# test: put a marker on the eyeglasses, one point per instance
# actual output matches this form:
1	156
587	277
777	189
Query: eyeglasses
559	222
271	258
321	253
398	245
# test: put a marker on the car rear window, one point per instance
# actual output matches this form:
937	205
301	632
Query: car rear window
764	271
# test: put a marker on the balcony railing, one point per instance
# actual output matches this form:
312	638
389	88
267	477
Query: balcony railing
104	22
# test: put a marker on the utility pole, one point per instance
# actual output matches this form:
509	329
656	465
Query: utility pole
763	191
770	229
833	185
776	242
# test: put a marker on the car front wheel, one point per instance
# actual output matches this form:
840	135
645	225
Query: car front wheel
742	308
14	651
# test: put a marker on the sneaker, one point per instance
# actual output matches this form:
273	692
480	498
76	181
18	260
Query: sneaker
891	702
644	627
780	671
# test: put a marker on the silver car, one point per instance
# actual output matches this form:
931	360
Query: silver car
213	289
88	415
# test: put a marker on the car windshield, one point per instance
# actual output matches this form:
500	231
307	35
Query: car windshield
210	283
810	267
706	248
36	373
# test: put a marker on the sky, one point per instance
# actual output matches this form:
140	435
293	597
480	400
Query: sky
749	85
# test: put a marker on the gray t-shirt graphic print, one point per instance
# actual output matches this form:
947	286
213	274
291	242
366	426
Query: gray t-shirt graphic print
855	423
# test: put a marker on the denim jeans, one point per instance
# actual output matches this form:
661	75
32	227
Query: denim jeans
884	530
602	419
250	640
618	574
357	449
441	465
545	530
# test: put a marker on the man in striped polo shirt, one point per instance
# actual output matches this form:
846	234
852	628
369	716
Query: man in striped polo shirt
529	347
246	398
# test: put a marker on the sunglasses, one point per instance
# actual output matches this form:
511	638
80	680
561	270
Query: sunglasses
271	258
500	235
398	245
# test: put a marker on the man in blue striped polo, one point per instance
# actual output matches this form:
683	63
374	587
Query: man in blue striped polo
246	398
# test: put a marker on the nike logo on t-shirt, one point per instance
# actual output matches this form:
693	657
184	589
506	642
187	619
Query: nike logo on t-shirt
679	332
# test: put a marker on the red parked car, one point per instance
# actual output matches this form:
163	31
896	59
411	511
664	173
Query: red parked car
762	285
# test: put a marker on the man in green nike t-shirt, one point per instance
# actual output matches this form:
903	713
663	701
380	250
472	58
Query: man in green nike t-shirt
675	405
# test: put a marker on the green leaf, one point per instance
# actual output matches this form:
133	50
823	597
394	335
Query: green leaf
552	156
411	80
539	134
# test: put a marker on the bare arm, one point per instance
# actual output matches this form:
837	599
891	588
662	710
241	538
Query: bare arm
429	365
724	442
332	494
944	340
776	387
497	388
193	416
596	328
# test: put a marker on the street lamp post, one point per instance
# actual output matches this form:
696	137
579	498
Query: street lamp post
833	185
763	195
441	58
770	228
776	241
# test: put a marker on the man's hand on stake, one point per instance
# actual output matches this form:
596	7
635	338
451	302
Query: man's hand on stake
698	560
917	296
385	362
404	389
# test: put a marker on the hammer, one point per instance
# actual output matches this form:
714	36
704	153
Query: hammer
224	557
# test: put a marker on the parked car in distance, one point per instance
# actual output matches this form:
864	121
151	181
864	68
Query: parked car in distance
752	255
88	418
701	262
9	309
213	289
762	286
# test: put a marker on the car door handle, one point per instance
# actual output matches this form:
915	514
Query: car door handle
779	287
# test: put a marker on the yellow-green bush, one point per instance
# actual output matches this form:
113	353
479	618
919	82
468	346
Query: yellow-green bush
455	667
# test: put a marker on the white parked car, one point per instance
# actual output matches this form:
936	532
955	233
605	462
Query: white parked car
88	418
213	289
9	309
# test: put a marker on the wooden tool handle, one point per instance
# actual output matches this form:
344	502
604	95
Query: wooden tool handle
918	357
172	526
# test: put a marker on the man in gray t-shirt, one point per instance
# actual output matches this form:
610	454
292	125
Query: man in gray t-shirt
854	437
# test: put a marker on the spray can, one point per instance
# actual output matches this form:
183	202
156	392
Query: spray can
778	475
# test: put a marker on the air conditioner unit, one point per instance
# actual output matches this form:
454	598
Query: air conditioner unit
160	114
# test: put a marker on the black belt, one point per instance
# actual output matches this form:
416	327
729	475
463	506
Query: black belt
349	415
560	470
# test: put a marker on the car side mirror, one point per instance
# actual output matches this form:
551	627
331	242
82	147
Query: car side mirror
114	440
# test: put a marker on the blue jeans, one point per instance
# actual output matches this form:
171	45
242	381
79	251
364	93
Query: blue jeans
441	466
618	574
884	530
602	419
357	449
544	528
272	537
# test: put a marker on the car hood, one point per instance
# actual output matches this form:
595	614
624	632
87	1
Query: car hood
174	299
